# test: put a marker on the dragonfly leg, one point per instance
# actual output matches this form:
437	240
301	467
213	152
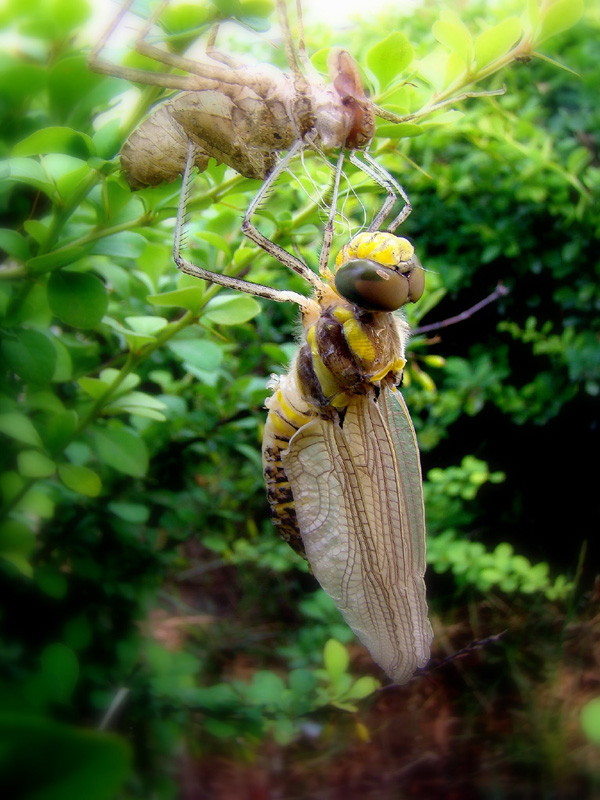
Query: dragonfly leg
288	41
382	177
217	55
163	79
328	232
256	289
273	249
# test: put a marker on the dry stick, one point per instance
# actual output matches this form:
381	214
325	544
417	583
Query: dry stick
478	644
499	291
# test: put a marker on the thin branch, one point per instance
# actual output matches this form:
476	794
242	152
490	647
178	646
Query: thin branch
499	291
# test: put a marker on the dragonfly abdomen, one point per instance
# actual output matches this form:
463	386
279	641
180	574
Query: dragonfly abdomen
288	412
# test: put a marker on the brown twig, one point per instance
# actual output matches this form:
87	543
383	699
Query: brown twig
499	291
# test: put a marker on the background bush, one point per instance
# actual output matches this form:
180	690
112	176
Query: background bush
144	589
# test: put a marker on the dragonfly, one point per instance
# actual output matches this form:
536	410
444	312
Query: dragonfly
340	456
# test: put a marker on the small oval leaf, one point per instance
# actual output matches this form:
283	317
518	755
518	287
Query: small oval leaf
80	479
31	355
390	57
123	450
232	309
496	41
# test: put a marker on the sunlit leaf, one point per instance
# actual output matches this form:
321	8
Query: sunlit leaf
496	41
29	171
560	16
336	659
55	140
390	57
450	31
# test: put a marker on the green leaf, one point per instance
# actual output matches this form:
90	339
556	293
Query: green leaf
135	341
37	503
336	659
67	172
399	130
216	241
63	257
95	387
200	353
231	309
14	244
77	298
450	31
558	17
590	720
107	139
59	429
302	682
190	298
497	41
80	479
146	325
29	171
31	355
71	763
122	449
109	375
33	464
55	140
130	512
19	427
266	689
126	244
138	403
390	57
363	687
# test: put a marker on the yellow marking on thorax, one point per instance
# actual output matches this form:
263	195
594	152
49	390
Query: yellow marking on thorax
358	341
395	366
354	333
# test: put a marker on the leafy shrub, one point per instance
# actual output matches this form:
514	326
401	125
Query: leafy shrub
132	396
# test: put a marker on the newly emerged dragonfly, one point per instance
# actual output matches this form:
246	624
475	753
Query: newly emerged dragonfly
340	456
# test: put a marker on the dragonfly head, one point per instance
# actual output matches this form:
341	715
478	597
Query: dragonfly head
379	272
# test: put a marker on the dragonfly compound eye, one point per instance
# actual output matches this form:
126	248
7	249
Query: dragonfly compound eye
372	286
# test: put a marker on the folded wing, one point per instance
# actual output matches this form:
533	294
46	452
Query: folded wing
358	495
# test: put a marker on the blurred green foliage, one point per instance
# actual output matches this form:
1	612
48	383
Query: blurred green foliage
132	396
